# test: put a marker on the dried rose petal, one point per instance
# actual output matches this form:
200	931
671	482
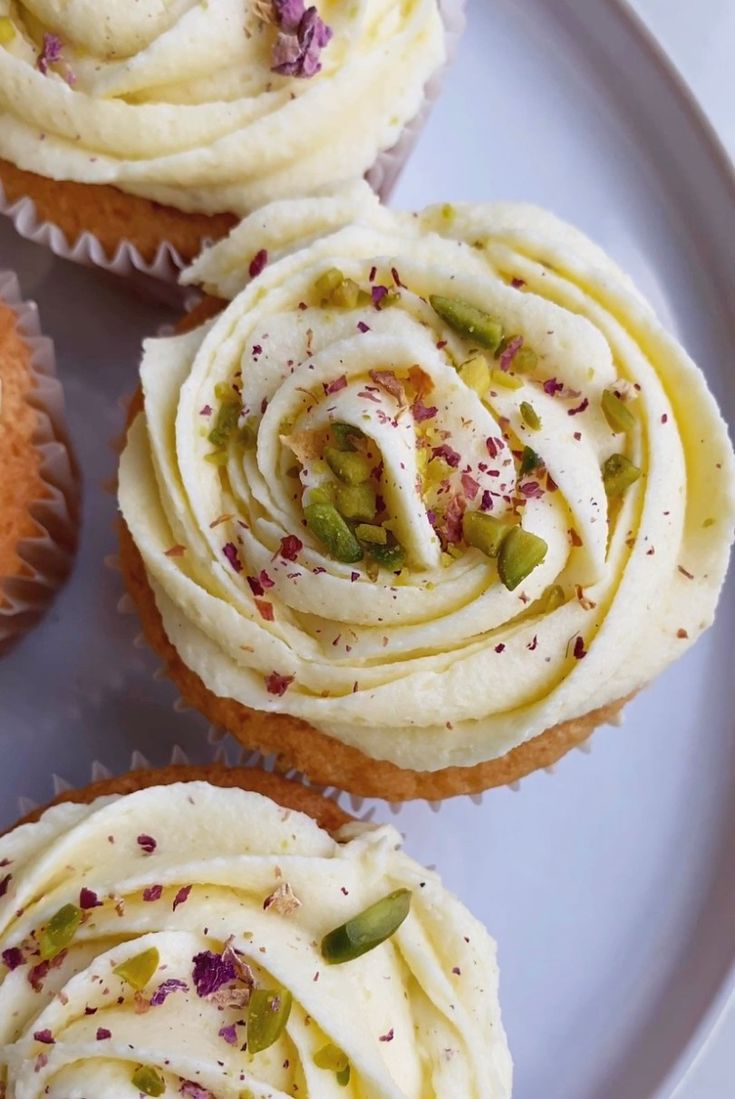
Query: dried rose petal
229	1033
153	893
377	293
297	48
388	381
103	1033
44	1036
12	957
335	386
230	552
265	610
450	456
363	327
255	585
257	263
552	387
277	684
470	486
289	13
580	408
166	988
147	843
4	883
512	348
182	896
50	52
291	547
88	898
194	1091
421	412
211	971
453	515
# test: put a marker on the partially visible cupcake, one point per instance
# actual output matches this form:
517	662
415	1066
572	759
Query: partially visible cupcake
130	134
210	941
39	489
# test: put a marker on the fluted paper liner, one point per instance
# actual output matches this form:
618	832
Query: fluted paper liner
166	265
49	554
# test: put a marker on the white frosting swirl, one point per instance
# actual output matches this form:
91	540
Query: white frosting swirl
442	666
178	101
81	1030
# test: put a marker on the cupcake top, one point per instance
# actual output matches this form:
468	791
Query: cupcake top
211	107
434	483
188	940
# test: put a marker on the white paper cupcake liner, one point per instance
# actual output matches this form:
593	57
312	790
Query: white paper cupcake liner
127	261
49	554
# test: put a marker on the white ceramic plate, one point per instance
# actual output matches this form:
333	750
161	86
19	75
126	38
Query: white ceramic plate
611	884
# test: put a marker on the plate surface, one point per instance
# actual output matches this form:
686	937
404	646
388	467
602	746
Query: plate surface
610	885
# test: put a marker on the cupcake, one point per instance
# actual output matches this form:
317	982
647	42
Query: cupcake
216	933
128	140
429	500
39	496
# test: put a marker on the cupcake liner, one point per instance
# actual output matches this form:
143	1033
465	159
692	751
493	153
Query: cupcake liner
148	275
49	554
226	749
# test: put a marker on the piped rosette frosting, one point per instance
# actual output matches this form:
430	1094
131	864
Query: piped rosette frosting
212	107
188	940
433	483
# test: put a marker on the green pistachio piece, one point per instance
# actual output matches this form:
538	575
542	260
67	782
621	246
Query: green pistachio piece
148	1080
375	535
520	554
346	295
217	458
475	373
618	474
525	360
530	416
7	31
332	1058
249	431
616	412
328	282
552	599
349	466
391	557
474	324
529	460
326	524
367	930
226	422
59	931
139	969
484	532
267	1017
322	494
505	380
345	434
356	502
343	1077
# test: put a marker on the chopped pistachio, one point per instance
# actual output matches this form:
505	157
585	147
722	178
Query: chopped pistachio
502	378
618	474
617	414
217	458
552	599
356	502
322	494
249	431
368	929
345	434
447	211
529	460
328	282
223	391
226	422
326	524
475	373
474	324
484	532
520	554
139	969
346	295
437	471
267	1017
350	466
7	30
391	557
368	532
530	416
59	931
525	360
331	1057
148	1080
